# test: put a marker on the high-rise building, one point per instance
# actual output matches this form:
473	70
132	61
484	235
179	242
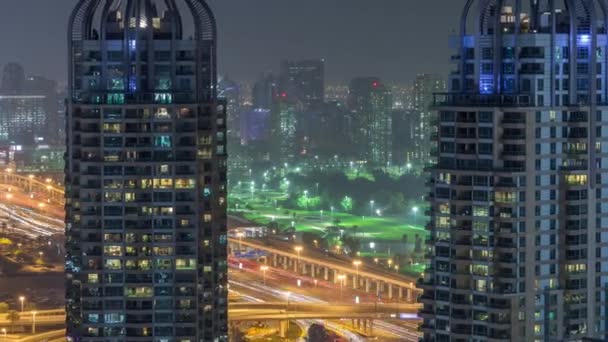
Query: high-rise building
265	90
519	217
370	106
304	81
13	79
22	118
422	121
145	174
284	123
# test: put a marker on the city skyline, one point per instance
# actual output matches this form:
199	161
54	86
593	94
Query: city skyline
372	39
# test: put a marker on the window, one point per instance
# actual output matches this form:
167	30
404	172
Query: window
480	211
185	264
162	113
186	183
163	141
139	292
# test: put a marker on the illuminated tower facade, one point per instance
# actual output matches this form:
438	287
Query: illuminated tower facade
518	201
145	174
370	104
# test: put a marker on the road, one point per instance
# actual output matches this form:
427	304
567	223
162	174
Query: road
279	286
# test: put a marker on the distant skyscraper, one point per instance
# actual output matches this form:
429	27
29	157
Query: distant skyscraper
370	106
265	90
230	91
518	200
145	174
13	79
425	86
304	81
22	118
284	123
54	130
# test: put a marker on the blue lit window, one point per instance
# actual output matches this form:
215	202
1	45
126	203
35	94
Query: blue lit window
486	85
163	141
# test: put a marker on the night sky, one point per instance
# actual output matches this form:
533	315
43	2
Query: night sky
392	39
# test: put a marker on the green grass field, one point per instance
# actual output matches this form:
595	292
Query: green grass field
262	212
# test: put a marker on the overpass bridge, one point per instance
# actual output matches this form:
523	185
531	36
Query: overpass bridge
30	183
317	266
239	312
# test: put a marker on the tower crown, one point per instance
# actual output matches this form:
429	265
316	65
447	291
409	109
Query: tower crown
485	17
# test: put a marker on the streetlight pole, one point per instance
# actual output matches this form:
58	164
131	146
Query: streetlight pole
264	269
415	211
341	278
34	322
22	299
298	250
371	205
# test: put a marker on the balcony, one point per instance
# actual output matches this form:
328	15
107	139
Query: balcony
483	100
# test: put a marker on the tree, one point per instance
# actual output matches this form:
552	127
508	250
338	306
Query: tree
351	244
317	333
347	204
13	317
4	307
396	203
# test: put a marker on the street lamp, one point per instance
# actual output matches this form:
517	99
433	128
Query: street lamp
371	205
34	322
298	250
357	263
22	300
240	235
264	269
415	211
341	278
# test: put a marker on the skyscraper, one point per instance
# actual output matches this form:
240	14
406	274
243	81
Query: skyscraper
370	106
425	86
304	83
519	218
13	79
145	174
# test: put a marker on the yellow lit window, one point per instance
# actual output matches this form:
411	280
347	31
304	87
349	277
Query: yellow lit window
93	278
113	264
163	251
112	250
185	183
139	291
163	183
129	197
111	128
185	264
576	179
505	197
205	153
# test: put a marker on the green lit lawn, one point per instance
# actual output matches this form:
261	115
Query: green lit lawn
377	228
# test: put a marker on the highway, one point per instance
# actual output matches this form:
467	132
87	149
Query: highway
247	282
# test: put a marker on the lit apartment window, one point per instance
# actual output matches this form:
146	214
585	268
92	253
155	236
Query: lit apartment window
185	264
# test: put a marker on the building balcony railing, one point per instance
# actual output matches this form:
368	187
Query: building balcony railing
486	100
